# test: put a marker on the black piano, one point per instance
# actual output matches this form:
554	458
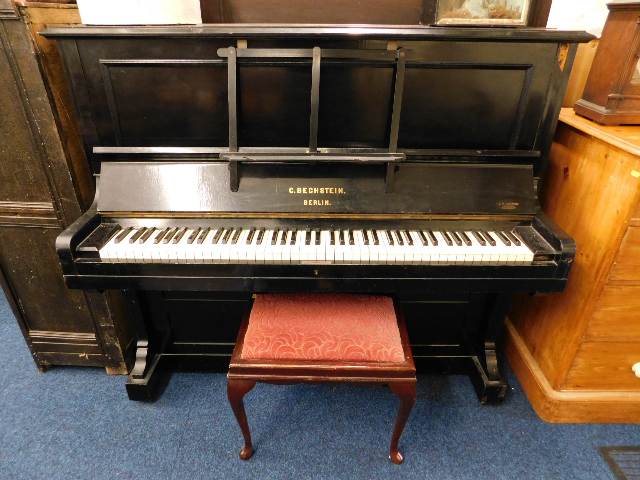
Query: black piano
237	159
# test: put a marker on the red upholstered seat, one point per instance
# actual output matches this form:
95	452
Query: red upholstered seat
323	327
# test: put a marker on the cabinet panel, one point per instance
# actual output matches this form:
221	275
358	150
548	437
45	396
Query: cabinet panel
617	313
635	217
605	366
21	177
34	274
627	263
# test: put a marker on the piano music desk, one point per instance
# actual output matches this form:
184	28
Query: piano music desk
574	352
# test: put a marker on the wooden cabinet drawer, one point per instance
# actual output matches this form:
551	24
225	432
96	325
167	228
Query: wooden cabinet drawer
627	263
605	366
635	217
617	314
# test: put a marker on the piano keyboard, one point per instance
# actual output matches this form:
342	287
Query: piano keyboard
313	246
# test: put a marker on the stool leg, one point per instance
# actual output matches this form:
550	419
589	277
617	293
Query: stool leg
236	390
407	393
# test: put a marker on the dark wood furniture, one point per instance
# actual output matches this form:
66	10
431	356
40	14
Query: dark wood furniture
574	354
247	368
41	194
319	128
612	92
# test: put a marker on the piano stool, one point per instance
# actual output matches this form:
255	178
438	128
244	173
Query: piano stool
295	338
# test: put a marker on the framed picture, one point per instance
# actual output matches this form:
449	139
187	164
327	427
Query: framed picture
483	12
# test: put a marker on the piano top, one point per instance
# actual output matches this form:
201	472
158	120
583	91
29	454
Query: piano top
248	30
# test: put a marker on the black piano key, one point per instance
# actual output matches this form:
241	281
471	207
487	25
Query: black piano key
340	237
465	238
283	240
376	240
158	238
423	237
179	235
202	235
351	237
260	236
332	240
447	238
274	237
122	235
169	235
489	237
146	235
193	236
236	236
317	236
307	237
516	241
217	235
454	236
389	237
504	239
407	237
226	236
252	233
479	238
134	238
365	235
398	237
432	237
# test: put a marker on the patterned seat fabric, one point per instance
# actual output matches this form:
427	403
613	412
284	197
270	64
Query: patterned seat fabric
323	327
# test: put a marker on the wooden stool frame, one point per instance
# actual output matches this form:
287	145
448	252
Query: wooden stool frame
245	373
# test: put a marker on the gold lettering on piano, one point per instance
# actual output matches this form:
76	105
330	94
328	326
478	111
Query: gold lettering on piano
317	191
316	202
508	205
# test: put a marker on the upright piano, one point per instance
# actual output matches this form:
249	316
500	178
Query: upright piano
237	159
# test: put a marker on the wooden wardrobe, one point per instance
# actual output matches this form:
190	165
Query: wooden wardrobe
44	186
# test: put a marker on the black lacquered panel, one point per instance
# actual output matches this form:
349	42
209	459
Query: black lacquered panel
178	102
355	105
320	188
273	104
462	107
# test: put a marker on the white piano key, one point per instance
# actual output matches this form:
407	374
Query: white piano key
418	249
267	246
338	250
328	250
363	250
373	248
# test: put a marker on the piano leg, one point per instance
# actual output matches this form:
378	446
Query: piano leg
147	378
485	371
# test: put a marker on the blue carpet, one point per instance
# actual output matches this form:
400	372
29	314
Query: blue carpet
76	423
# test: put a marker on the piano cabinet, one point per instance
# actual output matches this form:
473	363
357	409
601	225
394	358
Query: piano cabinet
447	180
574	354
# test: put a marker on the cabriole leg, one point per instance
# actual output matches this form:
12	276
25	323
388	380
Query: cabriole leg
236	390
406	391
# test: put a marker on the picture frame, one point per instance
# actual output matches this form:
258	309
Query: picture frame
483	12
